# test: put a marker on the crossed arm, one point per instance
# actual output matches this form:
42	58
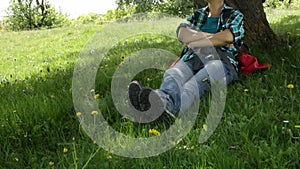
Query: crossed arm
193	38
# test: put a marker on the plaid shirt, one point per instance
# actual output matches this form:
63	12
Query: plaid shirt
230	19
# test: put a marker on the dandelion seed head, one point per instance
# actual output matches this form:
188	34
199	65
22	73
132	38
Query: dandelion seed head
4	80
92	51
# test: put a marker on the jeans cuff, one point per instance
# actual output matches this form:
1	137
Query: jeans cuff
168	102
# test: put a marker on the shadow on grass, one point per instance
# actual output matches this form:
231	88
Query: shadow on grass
288	29
38	116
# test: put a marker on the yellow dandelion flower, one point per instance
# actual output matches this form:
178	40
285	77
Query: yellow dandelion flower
97	96
205	127
14	111
289	33
94	142
297	126
290	86
94	112
51	163
65	150
148	79
154	132
73	138
246	90
78	114
205	79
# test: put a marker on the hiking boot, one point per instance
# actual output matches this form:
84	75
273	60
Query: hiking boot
144	99
134	91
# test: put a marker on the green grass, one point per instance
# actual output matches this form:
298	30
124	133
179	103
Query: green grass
38	119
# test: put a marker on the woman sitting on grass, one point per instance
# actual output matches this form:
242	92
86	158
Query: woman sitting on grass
217	27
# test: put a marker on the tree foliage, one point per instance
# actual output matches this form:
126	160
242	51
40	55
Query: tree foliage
184	7
32	14
174	7
282	3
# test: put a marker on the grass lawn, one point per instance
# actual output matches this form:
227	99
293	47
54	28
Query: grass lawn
40	128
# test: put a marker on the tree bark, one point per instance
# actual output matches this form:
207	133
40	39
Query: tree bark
199	4
257	28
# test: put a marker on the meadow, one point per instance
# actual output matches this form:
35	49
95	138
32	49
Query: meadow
39	125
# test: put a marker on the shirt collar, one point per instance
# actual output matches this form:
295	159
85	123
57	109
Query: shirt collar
225	7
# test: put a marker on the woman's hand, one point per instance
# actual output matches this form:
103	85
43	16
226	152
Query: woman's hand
188	35
219	39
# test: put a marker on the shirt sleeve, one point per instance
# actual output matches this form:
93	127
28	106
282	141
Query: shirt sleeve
190	21
235	24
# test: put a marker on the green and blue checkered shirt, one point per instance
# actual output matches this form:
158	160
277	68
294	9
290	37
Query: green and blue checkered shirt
229	19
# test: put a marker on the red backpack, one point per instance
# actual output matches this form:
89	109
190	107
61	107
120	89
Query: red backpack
248	63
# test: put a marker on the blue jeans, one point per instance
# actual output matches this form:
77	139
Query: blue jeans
182	85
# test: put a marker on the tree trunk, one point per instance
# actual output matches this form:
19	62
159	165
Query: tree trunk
42	5
257	28
199	3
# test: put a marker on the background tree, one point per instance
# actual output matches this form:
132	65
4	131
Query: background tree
258	30
141	5
174	7
32	14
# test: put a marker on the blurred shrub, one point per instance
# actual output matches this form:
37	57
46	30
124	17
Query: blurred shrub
29	14
282	3
110	16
